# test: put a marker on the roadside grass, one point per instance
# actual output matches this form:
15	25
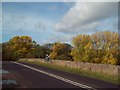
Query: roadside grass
99	76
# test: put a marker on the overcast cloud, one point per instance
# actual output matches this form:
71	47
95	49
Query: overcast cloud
88	17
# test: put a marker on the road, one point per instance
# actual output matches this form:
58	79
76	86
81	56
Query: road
36	76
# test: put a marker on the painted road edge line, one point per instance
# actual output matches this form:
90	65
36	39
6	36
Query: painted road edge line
57	77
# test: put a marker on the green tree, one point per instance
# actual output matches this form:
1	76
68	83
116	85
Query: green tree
41	51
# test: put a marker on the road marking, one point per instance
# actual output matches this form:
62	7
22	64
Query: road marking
57	77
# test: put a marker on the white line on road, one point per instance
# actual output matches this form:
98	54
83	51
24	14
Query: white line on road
57	77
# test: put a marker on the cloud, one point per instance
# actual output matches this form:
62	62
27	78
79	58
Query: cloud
13	22
40	26
21	23
61	38
86	17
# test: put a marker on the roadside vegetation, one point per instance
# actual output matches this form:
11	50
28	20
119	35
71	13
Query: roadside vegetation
99	76
24	47
100	47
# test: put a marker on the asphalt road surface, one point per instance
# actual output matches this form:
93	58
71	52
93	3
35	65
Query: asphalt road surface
34	76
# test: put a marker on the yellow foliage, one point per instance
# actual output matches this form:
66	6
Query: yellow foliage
53	55
100	47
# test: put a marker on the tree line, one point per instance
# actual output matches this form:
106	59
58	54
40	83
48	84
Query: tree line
100	47
25	47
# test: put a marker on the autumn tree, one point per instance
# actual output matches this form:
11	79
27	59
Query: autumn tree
61	51
6	51
83	50
101	47
17	47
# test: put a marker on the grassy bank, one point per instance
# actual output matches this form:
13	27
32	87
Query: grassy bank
100	76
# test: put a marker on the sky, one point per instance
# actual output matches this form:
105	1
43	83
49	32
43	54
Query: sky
48	22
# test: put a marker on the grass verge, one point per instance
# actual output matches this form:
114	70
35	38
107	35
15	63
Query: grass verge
99	76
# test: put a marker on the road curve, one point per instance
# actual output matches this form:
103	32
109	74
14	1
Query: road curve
30	78
27	78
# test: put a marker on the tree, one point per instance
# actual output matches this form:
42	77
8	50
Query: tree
17	47
41	51
61	51
83	48
100	47
49	45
